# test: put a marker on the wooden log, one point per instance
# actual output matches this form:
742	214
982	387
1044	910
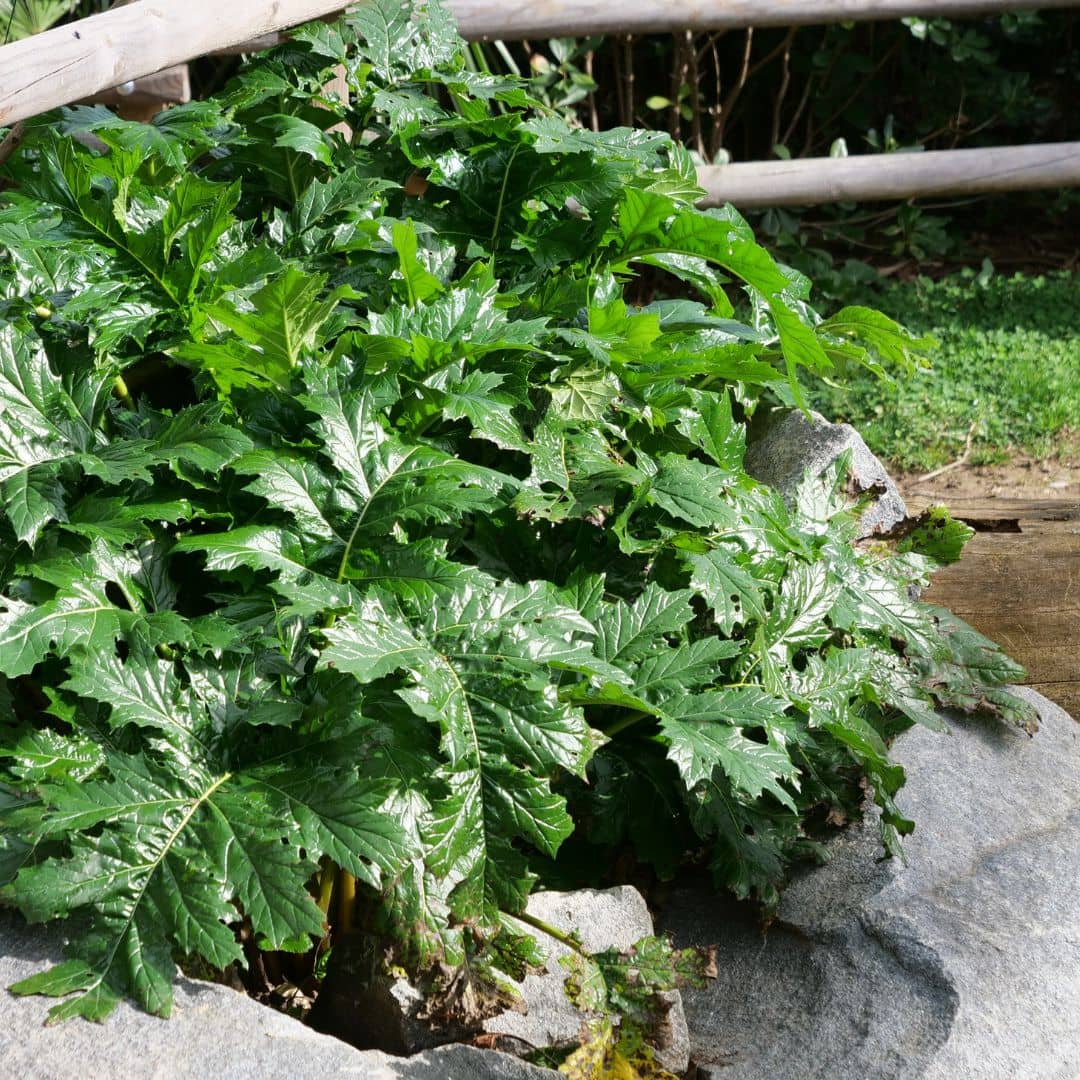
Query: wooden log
487	20
490	19
889	177
1063	693
83	58
253	45
1021	588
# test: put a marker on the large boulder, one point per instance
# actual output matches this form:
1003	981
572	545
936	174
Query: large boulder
213	1032
786	445
963	962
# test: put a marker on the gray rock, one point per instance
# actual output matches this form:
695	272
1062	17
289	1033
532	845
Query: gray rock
213	1032
463	1063
785	446
603	919
963	963
392	1009
369	1009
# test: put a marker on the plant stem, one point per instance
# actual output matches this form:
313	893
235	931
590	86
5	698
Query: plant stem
346	890
560	936
502	198
626	721
326	886
120	389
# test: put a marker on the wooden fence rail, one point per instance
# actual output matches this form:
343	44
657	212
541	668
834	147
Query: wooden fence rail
81	59
515	19
891	177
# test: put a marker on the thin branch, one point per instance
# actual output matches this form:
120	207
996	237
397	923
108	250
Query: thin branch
620	88
773	53
716	136
710	44
785	81
677	65
628	76
863	83
594	117
695	97
737	89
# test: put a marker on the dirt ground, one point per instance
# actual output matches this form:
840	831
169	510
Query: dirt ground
1022	477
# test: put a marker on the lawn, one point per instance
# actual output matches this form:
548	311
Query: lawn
1006	372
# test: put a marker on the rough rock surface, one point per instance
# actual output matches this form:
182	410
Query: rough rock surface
213	1032
788	445
602	918
370	1009
963	963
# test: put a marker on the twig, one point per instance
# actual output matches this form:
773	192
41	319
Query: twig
737	89
798	111
773	53
11	140
895	268
716	133
628	75
594	117
695	97
961	460
785	81
863	83
620	87
679	68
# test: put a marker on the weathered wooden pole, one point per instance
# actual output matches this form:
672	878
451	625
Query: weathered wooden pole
873	177
81	59
513	19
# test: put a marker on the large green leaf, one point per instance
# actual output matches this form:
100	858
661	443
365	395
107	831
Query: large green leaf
40	426
393	481
270	339
177	854
480	667
727	587
705	731
80	616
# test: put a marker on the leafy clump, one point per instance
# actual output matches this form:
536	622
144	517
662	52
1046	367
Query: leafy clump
359	539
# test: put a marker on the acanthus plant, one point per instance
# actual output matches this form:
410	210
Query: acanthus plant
362	538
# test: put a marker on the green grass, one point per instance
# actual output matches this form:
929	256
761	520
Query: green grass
1007	360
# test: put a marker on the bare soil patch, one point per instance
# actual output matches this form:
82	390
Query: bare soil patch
1021	478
